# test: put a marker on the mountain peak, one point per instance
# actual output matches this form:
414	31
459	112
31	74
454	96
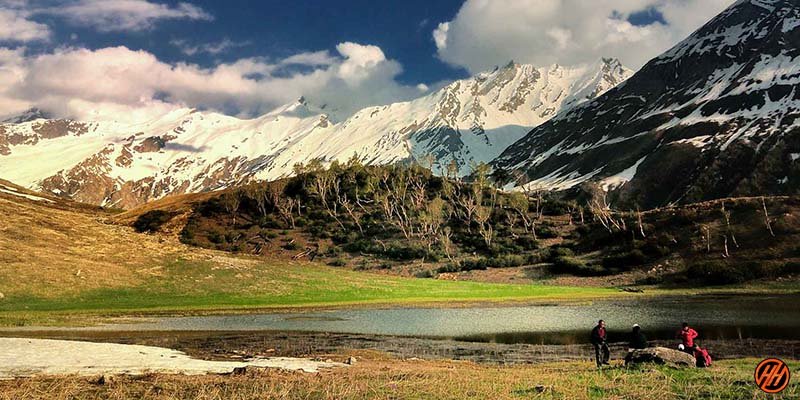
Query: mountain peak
714	116
31	114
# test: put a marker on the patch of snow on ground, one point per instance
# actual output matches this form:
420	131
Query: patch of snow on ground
29	357
621	178
13	192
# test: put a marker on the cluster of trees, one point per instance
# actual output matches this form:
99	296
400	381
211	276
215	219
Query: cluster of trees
390	206
404	212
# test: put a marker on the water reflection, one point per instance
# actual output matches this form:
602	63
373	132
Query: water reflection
716	317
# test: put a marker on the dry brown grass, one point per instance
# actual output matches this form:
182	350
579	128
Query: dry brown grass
417	379
51	249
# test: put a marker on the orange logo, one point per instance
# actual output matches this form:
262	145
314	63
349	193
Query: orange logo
772	375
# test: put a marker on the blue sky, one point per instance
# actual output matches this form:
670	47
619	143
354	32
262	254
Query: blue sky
247	57
278	29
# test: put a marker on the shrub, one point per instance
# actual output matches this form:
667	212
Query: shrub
152	221
546	232
527	243
339	262
216	237
556	252
718	272
624	261
426	274
291	246
575	266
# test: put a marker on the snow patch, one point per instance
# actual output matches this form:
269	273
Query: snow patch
30	357
14	192
623	177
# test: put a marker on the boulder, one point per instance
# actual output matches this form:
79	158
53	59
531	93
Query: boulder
662	356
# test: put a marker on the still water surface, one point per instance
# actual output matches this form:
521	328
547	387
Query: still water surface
716	317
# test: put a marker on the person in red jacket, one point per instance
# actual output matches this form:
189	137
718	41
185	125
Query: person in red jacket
687	336
598	339
702	357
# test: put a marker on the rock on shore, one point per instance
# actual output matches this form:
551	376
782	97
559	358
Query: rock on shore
662	355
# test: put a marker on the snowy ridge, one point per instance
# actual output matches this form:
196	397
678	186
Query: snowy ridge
710	110
468	121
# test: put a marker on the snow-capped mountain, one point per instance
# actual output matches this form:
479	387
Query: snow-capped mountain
122	165
717	115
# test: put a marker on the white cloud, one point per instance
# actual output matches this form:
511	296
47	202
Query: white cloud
440	35
208	48
123	15
85	83
15	26
486	33
322	57
360	61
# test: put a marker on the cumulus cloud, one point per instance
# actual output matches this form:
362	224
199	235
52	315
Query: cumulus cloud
89	84
16	25
315	58
486	33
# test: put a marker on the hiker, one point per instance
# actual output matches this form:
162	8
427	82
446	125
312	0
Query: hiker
702	357
687	336
598	339
637	341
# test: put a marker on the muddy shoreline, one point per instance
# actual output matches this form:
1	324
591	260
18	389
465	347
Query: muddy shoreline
242	345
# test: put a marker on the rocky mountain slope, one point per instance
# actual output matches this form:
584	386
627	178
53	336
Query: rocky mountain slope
121	165
715	116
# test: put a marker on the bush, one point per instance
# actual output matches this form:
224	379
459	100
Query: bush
339	262
574	266
556	252
527	243
291	246
426	274
405	253
625	261
152	221
719	272
216	237
546	232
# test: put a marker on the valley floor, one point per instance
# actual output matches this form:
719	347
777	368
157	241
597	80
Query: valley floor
64	264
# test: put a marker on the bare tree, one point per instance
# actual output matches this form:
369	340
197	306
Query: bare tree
255	192
446	242
518	202
350	208
231	201
483	216
324	183
431	221
766	217
729	228
639	222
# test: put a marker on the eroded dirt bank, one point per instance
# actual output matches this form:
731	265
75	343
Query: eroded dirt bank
241	345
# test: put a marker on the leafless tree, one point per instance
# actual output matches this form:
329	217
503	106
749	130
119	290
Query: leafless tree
324	182
766	217
231	201
447	244
729	228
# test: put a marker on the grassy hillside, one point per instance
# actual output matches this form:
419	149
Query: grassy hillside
404	220
61	260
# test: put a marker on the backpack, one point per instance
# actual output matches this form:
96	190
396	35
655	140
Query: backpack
702	357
